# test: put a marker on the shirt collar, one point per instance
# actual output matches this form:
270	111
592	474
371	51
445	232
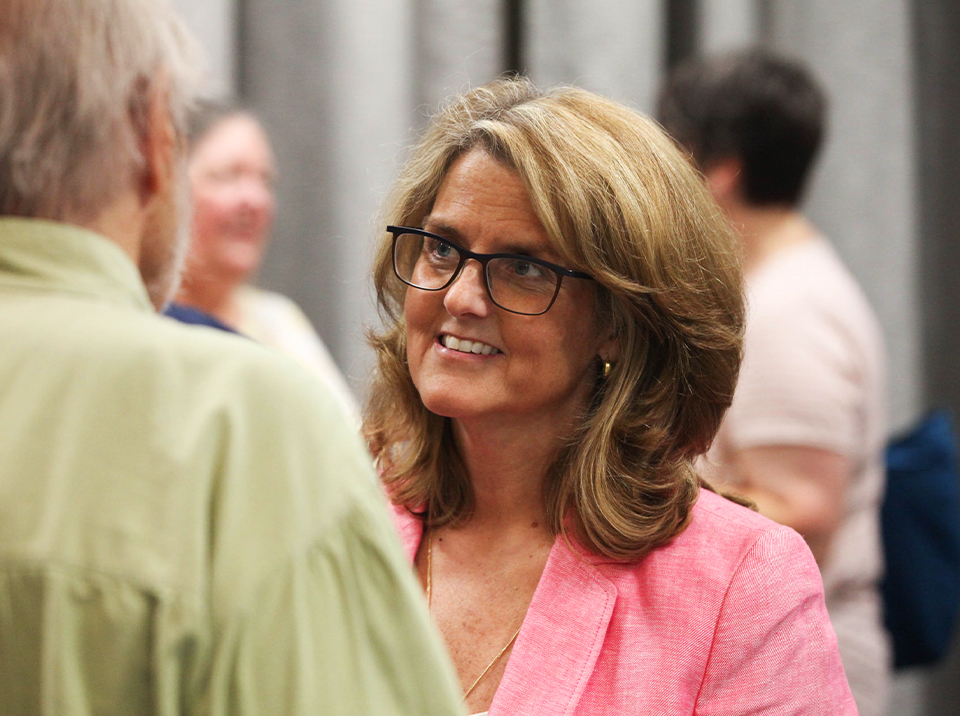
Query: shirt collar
50	256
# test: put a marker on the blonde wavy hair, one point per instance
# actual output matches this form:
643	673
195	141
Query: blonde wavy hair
619	201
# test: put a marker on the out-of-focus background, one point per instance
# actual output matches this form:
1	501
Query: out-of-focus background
343	87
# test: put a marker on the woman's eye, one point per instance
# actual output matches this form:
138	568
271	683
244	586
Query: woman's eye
525	269
438	250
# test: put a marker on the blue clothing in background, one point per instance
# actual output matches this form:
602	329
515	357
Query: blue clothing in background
185	314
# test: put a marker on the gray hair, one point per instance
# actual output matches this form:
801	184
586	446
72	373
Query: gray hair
76	77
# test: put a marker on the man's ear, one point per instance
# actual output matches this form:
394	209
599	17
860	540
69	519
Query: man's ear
159	146
723	179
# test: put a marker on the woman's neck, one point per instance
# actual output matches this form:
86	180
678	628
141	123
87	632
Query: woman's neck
507	469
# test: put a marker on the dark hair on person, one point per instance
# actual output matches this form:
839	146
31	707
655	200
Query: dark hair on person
619	201
208	113
764	110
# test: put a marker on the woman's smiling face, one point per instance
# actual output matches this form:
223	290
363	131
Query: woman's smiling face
531	367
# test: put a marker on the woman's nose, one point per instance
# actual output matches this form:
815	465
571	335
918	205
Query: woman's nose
467	295
255	193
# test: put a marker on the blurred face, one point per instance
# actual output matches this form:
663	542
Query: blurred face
471	360
231	180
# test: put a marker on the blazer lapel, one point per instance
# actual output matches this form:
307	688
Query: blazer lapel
561	636
409	529
560	639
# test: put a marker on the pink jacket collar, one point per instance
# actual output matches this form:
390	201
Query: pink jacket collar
562	633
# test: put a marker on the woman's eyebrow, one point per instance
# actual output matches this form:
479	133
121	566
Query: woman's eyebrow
443	229
523	250
510	246
533	249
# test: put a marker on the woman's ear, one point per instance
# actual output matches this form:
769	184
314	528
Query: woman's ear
609	350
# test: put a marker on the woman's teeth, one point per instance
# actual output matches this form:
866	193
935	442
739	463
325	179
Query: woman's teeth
465	346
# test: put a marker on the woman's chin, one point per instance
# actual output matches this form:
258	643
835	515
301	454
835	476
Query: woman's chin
446	406
443	409
240	261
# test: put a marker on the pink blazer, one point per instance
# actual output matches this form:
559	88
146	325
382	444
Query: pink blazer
728	618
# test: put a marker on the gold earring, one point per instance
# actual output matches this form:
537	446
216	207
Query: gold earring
607	368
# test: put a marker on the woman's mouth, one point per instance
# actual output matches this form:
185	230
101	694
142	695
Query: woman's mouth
467	346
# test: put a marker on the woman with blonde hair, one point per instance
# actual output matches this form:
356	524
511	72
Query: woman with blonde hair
563	324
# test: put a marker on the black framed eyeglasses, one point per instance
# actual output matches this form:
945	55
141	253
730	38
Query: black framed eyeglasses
516	283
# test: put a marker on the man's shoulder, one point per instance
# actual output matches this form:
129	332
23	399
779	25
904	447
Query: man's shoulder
173	375
167	349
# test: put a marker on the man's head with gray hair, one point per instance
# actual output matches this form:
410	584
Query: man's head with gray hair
78	82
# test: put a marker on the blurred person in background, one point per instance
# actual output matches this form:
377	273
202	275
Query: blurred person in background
186	524
563	322
804	437
232	170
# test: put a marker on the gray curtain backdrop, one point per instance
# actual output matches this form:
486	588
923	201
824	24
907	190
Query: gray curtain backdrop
864	192
215	24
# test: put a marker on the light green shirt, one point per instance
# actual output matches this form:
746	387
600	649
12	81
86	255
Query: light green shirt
186	523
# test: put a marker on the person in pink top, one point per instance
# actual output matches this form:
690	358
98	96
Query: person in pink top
804	438
563	323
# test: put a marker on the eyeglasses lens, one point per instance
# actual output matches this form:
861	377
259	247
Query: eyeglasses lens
424	262
521	286
514	284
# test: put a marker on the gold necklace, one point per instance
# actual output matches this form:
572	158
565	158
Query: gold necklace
430	605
